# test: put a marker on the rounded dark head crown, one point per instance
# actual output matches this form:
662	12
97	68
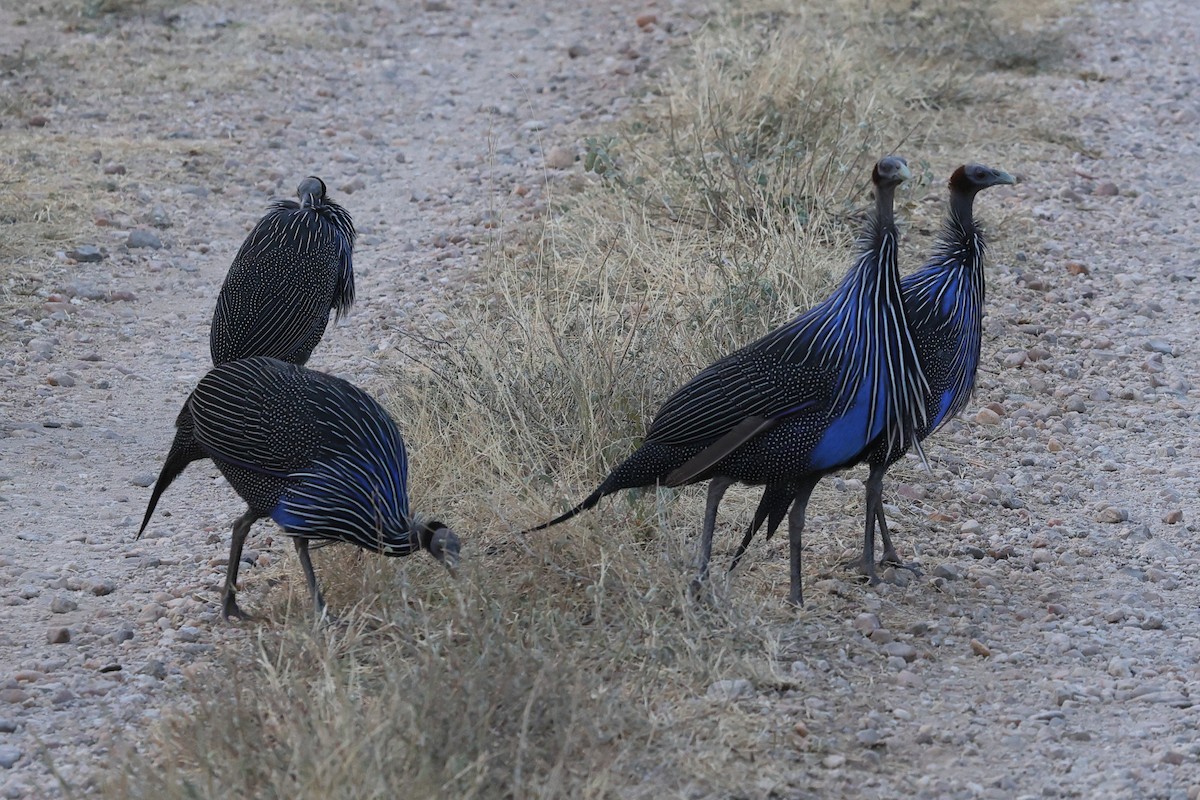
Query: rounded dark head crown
311	187
971	178
890	171
441	542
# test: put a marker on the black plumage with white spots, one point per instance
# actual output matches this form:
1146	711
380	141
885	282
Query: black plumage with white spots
293	270
311	451
943	304
811	397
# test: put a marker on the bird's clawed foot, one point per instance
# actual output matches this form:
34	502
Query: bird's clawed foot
324	618
698	591
231	610
892	559
863	567
868	569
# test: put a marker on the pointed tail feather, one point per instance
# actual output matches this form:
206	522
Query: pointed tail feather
759	515
591	501
769	510
184	450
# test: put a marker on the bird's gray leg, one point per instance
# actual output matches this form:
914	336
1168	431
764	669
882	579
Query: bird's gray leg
890	557
716	490
866	563
314	590
795	539
241	528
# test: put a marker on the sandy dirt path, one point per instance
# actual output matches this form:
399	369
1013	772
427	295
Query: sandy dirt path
1057	654
431	126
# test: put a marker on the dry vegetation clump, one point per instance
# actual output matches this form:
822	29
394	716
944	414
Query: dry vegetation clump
569	663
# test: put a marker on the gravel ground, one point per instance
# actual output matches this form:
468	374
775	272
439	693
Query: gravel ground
433	128
1050	652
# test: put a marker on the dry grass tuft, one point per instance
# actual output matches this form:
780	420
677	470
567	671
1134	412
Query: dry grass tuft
524	678
570	663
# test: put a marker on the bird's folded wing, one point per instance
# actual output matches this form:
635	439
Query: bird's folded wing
743	432
283	321
750	383
244	415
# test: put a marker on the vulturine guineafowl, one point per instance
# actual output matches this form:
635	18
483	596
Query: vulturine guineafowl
293	270
943	303
312	452
809	398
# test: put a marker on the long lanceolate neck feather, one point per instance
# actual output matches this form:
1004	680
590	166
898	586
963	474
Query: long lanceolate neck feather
905	385
307	228
861	333
365	467
947	296
339	219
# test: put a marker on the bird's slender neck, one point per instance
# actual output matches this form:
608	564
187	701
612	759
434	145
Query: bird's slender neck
962	211
885	217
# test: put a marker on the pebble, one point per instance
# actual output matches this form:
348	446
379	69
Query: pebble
58	635
1112	515
1013	361
869	737
980	649
986	416
1119	667
882	636
900	650
946	571
142	237
560	157
8	725
866	623
188	633
9	756
62	605
154	668
86	254
730	689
